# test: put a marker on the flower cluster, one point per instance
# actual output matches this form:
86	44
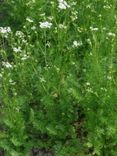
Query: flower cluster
5	31
45	24
7	65
77	44
59	55
18	49
63	4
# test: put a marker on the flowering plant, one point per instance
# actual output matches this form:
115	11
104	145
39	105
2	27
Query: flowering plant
58	77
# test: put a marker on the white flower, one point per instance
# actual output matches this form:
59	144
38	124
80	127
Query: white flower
88	83
48	44
24	41
45	24
104	89
50	18
104	28
109	77
42	79
29	20
94	29
61	26
7	64
24	57
63	4
107	6
74	15
17	49
33	27
76	44
5	30
111	34
19	34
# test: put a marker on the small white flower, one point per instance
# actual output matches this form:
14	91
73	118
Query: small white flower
42	79
48	44
109	77
61	26
103	89
12	82
89	90
94	29
104	28
29	20
45	24
17	49
63	4
24	57
33	28
76	44
89	41
74	15
7	64
88	83
24	41
107	6
111	34
50	18
19	34
90	54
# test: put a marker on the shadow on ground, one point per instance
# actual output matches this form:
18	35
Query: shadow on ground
35	152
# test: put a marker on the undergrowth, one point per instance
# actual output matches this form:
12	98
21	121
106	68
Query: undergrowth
58	74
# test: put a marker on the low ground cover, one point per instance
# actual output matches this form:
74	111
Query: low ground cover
58	77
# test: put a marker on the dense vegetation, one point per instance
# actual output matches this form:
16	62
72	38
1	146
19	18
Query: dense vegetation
58	77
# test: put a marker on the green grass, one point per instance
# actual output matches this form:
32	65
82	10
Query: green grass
59	83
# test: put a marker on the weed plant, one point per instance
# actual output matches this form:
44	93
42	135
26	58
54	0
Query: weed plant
58	77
